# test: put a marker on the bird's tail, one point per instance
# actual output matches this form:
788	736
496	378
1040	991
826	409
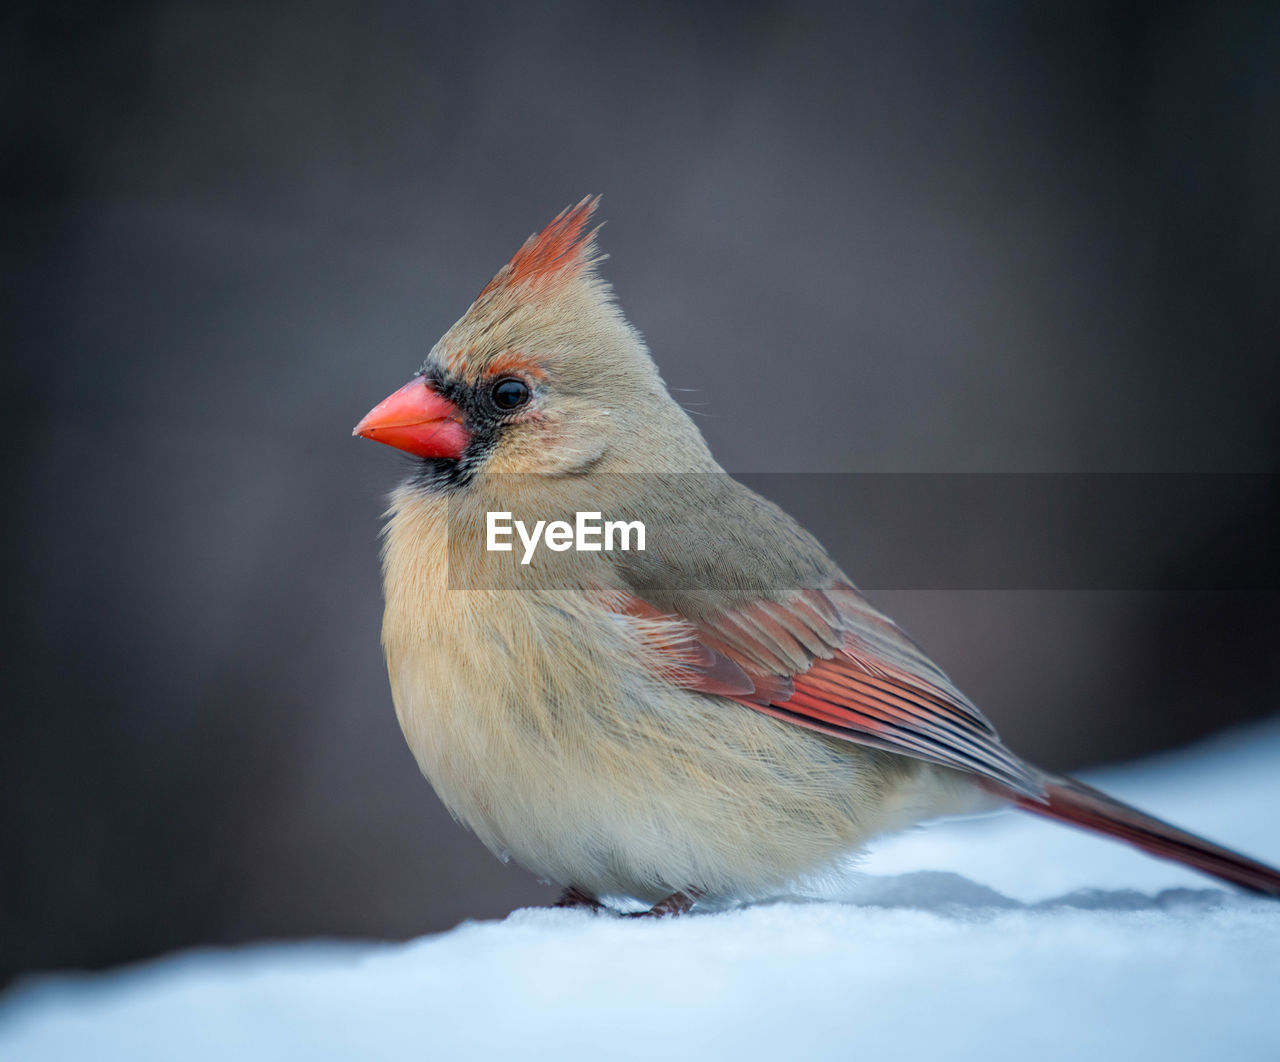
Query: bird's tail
1075	803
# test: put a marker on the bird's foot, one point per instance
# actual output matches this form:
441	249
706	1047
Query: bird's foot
575	897
677	903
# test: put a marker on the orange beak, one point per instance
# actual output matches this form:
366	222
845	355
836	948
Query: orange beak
417	420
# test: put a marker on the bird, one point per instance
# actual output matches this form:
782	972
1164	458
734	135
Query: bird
712	718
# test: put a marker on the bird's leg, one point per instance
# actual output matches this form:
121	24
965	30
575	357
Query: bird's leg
677	903
575	897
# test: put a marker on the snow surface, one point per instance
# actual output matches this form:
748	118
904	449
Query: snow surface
1000	938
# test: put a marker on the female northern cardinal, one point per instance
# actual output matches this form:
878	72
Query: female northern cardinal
719	714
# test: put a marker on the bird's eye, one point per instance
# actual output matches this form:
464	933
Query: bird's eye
510	393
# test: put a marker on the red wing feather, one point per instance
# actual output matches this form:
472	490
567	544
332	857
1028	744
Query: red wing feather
827	661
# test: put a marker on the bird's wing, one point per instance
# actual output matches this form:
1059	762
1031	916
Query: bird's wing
827	660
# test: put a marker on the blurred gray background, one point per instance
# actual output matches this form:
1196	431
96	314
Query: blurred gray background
879	238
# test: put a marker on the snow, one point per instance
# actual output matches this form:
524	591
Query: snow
1000	938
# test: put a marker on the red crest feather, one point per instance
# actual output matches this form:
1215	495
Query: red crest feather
559	251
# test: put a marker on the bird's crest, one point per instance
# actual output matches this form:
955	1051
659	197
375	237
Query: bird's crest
561	251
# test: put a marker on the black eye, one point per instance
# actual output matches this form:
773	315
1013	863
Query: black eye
510	393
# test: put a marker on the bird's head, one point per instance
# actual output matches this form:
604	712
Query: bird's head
542	374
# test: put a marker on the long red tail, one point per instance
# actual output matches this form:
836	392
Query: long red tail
1069	801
